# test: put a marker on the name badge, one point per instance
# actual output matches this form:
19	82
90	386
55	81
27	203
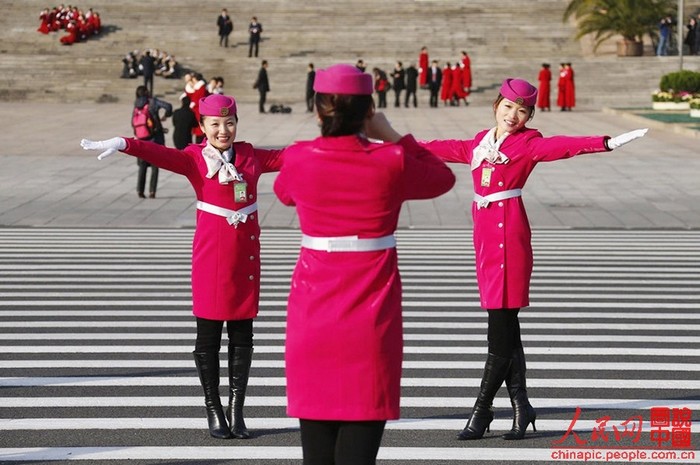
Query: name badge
486	176
240	192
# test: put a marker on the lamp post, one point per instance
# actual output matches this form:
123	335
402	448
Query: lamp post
681	25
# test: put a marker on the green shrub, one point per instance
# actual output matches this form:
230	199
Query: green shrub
681	81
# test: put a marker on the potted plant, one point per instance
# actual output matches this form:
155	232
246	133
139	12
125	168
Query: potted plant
630	19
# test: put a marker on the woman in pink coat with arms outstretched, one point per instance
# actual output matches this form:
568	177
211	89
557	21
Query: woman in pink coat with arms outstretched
501	159
224	176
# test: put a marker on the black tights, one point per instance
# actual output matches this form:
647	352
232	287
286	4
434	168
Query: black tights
240	334
504	332
341	442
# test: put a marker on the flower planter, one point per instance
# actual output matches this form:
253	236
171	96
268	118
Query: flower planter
695	112
629	48
670	105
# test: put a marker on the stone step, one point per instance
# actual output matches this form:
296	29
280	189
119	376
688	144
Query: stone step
511	39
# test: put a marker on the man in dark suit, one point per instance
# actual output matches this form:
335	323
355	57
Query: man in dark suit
225	27
254	29
434	82
263	85
147	65
310	78
411	85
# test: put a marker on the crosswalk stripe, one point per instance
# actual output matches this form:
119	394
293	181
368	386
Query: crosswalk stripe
591	383
407	365
462	403
408	337
402	454
278	349
269	423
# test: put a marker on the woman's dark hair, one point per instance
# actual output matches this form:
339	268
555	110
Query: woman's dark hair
342	115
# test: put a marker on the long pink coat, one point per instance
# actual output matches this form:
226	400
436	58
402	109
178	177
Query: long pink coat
225	259
344	345
502	235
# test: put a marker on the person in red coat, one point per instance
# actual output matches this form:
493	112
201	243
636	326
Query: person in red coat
423	65
73	34
344	346
544	78
196	89
570	87
466	72
446	91
458	93
562	88
501	159
225	250
45	18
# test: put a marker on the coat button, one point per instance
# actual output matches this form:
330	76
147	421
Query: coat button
501	265
500	245
500	204
252	238
252	217
252	257
250	196
500	183
251	277
500	225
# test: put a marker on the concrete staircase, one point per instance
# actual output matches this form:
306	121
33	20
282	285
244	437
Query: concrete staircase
503	38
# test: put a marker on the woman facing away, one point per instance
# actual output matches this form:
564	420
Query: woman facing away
344	339
501	158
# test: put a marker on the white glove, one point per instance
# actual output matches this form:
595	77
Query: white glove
109	146
622	139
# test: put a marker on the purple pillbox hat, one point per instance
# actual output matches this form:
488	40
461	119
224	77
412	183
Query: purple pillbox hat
217	105
343	79
519	91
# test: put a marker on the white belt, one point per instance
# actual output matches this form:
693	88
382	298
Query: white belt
483	202
232	216
348	243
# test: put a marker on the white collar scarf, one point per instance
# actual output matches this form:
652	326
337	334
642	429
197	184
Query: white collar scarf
488	149
215	160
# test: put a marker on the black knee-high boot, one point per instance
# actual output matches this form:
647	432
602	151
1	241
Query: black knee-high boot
238	371
208	369
523	413
495	371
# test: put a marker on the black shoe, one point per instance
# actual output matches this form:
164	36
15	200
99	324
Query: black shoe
141	195
238	372
495	371
478	423
152	195
523	413
208	370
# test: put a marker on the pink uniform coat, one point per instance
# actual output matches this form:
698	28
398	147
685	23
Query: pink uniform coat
344	343
225	259
502	235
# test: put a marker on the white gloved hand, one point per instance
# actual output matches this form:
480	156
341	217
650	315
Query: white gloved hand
623	139
109	146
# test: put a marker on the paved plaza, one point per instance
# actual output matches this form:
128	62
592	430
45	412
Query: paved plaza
48	180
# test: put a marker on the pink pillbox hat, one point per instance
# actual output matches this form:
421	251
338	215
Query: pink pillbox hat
519	91
343	79
217	105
